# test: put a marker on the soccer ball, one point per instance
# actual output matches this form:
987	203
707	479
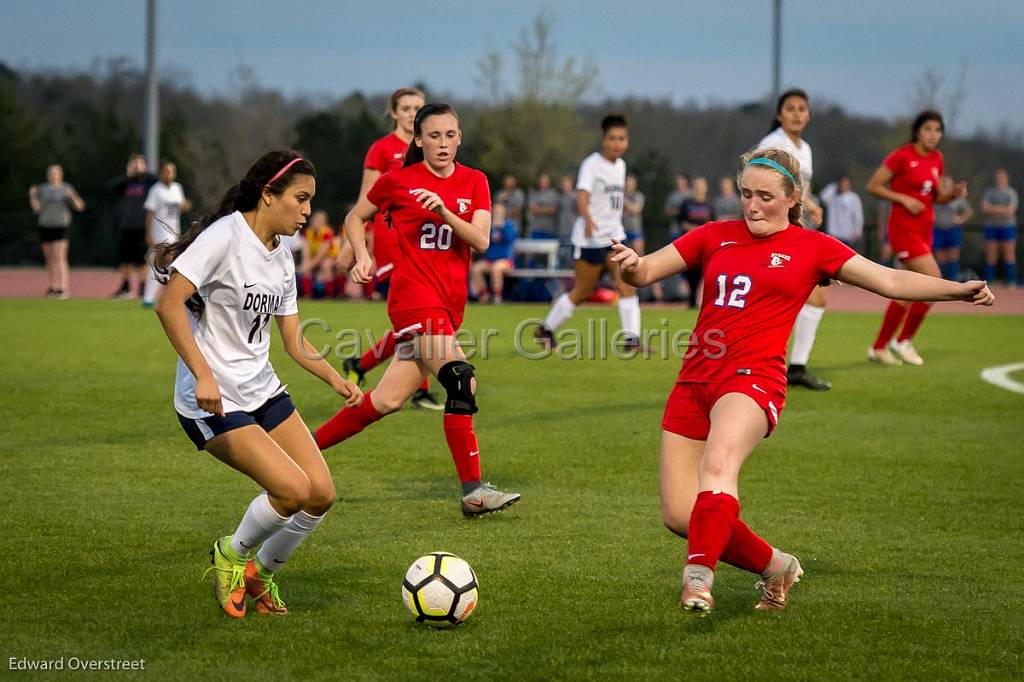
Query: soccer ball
440	590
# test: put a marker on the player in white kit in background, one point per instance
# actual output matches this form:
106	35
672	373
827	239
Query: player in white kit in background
792	114
164	205
600	191
227	276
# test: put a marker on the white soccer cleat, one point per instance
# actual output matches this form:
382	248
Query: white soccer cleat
775	588
905	351
883	356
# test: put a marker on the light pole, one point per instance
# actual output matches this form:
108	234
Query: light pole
776	48
152	126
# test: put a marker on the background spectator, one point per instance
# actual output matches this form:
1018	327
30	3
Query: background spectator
694	212
999	209
320	251
567	213
497	259
513	199
845	217
543	209
164	205
632	215
727	203
132	190
948	232
680	193
53	202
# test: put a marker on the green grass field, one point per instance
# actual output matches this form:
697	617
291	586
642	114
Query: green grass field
902	492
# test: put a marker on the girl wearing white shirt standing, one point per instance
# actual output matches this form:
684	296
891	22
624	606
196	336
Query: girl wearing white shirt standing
164	205
600	192
792	114
225	278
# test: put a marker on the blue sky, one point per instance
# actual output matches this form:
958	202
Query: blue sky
866	56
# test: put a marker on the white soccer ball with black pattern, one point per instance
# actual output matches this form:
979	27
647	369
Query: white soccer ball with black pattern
440	589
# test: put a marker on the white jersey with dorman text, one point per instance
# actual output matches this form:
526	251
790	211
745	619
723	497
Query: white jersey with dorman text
606	182
778	139
243	285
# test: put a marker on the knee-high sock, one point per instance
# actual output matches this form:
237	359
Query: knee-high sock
990	272
804	331
279	546
561	310
890	323
710	527
915	316
260	521
629	315
347	422
381	351
462	443
746	549
1011	273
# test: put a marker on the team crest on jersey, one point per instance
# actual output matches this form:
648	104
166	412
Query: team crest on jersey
779	260
464	204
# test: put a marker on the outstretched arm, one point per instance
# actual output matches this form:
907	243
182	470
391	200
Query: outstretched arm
905	285
641	271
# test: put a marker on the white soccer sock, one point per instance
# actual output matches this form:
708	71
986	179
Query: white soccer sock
152	288
561	311
261	521
275	551
629	315
804	331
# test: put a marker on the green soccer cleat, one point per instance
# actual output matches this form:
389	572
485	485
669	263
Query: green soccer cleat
229	577
351	370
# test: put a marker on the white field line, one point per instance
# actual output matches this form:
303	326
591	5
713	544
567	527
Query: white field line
1000	376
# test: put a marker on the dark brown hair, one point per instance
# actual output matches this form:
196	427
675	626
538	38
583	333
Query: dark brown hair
415	152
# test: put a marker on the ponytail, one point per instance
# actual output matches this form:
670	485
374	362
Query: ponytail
273	172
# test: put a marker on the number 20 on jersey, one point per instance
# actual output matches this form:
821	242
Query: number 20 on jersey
435	237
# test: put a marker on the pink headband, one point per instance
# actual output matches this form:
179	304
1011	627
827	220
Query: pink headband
283	170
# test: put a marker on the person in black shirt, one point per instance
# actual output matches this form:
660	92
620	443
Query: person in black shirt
694	212
132	190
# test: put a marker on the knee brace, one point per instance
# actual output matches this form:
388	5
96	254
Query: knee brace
457	379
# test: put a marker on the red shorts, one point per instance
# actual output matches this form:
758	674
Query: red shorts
688	410
408	324
908	245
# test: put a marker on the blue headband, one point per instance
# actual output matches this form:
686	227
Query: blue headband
762	161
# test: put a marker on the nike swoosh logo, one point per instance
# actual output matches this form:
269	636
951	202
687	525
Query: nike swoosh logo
758	388
240	604
242	543
726	243
474	453
248	286
477	504
694	556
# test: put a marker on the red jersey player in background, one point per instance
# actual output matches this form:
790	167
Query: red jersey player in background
440	210
387	154
909	178
732	387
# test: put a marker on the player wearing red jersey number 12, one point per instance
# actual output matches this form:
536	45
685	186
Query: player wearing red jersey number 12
440	210
732	387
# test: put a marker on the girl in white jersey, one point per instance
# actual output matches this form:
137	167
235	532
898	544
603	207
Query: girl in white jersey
225	278
164	205
600	191
792	114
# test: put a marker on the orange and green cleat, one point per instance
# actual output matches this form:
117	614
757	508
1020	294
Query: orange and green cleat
261	587
229	577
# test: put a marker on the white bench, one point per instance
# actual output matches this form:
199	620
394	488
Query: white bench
550	273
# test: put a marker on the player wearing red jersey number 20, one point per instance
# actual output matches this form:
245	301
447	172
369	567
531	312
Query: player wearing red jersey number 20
732	387
909	178
386	154
439	210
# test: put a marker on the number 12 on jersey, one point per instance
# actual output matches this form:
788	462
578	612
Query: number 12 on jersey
740	288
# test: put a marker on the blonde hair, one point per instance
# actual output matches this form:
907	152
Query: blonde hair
787	161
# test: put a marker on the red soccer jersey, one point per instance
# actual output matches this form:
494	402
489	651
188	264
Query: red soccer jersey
754	288
916	176
386	154
433	262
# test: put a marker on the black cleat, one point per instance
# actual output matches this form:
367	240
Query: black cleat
801	377
425	400
351	370
545	337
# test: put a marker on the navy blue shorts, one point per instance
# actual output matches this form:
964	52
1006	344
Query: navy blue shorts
267	416
947	238
633	236
596	256
1000	233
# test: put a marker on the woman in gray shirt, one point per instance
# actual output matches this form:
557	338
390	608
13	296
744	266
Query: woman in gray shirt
53	202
